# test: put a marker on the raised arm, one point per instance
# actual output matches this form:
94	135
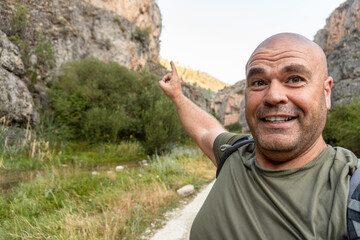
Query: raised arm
201	126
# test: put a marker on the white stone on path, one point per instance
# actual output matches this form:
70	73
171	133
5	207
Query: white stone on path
178	227
186	190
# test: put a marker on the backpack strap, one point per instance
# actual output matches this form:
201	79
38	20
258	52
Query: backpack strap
353	207
229	149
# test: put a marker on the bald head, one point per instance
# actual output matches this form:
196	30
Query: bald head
282	42
286	98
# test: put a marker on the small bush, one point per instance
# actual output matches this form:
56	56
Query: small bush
142	34
213	113
19	21
343	127
44	53
234	127
119	22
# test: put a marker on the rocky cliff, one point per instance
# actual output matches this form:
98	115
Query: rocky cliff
16	100
341	23
49	33
340	39
143	13
227	103
197	97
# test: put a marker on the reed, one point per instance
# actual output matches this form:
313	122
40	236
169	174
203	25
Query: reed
70	203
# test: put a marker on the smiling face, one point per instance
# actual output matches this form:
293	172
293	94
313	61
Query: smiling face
287	96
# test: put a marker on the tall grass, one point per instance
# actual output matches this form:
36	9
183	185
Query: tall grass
44	146
17	143
67	201
71	204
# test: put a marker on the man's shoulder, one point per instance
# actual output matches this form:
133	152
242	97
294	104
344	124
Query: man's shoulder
225	138
228	138
345	155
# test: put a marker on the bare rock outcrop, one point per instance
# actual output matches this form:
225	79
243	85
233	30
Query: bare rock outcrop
341	23
16	100
340	40
142	13
78	30
227	103
344	67
195	96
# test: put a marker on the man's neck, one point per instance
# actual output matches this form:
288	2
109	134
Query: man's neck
282	160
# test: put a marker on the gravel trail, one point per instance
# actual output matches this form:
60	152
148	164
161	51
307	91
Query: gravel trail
179	221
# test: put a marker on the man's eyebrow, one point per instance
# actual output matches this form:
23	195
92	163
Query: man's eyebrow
254	71
297	68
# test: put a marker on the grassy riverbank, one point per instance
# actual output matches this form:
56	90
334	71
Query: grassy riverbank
68	201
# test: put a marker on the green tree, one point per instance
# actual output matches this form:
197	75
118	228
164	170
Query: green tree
99	101
343	127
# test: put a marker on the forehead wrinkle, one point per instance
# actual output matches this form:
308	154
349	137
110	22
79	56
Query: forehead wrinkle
264	54
273	55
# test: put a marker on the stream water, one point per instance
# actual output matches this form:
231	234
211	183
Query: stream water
11	178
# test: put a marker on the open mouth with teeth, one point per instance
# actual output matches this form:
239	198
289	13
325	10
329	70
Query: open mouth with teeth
277	119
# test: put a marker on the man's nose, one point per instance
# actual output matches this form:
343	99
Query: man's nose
276	93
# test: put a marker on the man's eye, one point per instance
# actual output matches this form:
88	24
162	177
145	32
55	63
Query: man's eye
258	83
296	80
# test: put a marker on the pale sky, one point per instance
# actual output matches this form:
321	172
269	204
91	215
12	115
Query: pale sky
217	37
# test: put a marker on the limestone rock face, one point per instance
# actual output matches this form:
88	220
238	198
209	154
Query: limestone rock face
77	30
340	39
16	100
194	95
344	67
142	13
227	103
342	22
10	58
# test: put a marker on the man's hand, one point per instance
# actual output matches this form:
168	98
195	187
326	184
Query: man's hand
171	84
201	127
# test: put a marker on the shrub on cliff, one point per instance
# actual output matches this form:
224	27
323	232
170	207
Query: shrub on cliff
99	102
234	127
343	127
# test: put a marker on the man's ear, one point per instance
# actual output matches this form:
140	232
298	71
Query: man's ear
327	91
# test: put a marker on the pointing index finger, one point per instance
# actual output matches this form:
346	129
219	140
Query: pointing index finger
173	68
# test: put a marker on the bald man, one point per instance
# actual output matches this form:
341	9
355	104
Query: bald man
289	184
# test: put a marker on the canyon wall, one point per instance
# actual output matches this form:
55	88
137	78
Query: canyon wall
340	39
126	32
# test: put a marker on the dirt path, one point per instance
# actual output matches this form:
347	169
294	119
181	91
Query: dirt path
180	220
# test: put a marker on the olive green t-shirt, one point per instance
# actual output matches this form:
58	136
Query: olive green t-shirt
249	202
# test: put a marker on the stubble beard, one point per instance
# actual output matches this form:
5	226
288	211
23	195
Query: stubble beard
288	144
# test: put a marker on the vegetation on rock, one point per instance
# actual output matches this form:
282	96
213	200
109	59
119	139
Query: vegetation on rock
234	127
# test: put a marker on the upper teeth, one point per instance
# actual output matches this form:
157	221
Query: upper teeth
277	119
